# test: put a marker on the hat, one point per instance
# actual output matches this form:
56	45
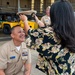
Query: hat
29	12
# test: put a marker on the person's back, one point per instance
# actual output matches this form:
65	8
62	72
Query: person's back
56	45
59	46
63	24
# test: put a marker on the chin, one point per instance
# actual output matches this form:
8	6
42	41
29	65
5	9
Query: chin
22	40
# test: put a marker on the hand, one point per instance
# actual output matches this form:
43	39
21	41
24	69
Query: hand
36	18
27	73
23	17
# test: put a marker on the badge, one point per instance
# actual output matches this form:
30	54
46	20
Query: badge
12	57
25	53
24	56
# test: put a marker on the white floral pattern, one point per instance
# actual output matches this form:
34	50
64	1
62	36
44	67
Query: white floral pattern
54	59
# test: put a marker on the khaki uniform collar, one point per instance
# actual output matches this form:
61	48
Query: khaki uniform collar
13	47
46	16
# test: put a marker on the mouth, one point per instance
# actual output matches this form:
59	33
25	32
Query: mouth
22	37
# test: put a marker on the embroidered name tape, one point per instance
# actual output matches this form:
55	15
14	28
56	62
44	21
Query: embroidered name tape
12	57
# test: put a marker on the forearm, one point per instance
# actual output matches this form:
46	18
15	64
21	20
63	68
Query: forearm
40	23
27	69
27	73
2	72
26	26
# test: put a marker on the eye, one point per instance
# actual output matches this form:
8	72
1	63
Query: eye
21	31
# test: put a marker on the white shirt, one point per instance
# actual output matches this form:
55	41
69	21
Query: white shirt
18	47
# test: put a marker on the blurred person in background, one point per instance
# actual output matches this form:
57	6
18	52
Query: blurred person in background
45	19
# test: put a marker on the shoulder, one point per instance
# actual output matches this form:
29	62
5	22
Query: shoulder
43	17
24	46
4	48
51	34
23	43
41	31
50	29
5	45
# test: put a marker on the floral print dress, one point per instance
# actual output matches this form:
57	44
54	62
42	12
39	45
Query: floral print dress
53	58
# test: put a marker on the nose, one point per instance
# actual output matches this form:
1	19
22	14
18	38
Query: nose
23	33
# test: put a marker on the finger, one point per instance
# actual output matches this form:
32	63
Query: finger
21	14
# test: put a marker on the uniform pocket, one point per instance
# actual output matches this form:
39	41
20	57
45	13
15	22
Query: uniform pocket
12	59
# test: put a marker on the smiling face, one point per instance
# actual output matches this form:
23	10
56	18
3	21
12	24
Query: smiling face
48	11
18	34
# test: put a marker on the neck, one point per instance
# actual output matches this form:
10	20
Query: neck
48	15
17	43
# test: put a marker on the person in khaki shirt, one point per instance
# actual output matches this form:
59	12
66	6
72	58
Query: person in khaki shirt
46	19
14	55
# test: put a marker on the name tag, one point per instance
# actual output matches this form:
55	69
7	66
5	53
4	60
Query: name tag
47	21
12	57
25	53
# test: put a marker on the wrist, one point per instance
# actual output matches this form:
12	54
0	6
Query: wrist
26	73
25	21
38	21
